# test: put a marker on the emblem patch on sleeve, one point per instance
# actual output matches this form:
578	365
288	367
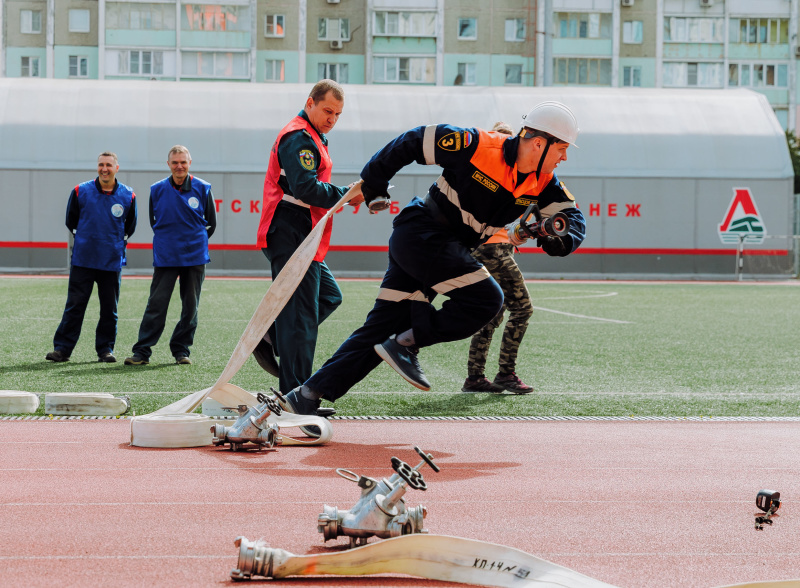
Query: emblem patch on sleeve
450	142
567	192
307	159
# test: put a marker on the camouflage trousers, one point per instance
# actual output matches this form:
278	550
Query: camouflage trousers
498	258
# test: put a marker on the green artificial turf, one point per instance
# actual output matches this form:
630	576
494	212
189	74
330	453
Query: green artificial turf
597	349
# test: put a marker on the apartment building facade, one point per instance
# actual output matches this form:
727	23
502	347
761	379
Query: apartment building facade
644	43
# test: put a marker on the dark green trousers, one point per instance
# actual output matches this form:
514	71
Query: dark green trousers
294	333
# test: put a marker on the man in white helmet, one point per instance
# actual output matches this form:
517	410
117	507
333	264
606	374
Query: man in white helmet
488	181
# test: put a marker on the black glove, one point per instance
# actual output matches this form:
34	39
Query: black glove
375	199
553	246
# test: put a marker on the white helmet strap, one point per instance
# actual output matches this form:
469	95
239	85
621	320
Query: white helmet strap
550	139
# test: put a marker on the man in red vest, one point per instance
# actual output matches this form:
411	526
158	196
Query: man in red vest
297	194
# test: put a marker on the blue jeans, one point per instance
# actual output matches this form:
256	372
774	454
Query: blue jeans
79	290
155	315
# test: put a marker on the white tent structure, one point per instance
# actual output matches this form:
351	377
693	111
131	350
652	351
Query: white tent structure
656	171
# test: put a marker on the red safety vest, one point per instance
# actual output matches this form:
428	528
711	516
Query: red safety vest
273	193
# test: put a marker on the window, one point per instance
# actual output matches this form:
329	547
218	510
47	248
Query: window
274	70
759	30
333	71
30	21
273	25
632	76
78	66
632	32
466	75
213	17
758	75
140	16
407	24
515	29
513	74
583	25
581	70
467	29
415	70
334	29
29	67
693	75
146	63
79	20
694	30
209	64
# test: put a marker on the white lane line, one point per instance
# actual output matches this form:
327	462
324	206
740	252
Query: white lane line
577	296
583	316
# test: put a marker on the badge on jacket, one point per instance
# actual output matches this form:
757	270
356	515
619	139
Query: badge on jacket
307	159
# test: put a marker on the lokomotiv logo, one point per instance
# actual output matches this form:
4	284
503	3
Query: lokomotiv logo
742	220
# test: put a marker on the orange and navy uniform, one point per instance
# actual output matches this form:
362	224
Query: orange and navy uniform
480	190
478	193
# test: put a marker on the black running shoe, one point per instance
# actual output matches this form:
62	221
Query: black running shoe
512	383
481	384
296	403
265	356
404	361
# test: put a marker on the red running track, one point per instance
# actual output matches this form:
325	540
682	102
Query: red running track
635	504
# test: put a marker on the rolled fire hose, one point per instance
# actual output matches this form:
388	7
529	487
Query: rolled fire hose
18	402
167	427
176	425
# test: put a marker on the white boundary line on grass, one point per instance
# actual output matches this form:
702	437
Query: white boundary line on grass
583	316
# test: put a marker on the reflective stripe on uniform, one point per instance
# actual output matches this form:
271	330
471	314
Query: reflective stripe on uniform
555	207
466	217
429	144
398	295
294	200
461	281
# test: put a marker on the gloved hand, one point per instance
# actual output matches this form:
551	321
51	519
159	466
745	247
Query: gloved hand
516	236
553	246
375	199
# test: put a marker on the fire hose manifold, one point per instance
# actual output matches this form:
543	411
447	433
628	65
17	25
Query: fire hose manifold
251	426
381	510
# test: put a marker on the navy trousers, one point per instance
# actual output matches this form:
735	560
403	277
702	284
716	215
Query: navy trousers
422	254
155	314
79	290
294	332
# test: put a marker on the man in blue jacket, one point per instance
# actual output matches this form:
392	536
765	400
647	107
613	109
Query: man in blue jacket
183	217
101	213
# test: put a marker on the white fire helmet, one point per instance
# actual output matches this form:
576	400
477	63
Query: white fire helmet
553	118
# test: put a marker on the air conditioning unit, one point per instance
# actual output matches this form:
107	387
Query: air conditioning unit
627	3
336	44
333	1
706	3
